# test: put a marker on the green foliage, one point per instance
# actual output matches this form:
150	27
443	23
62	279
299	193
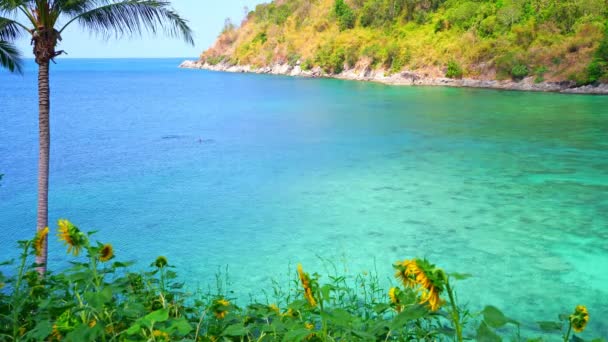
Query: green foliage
454	70
272	13
307	64
261	38
293	58
463	14
540	74
373	52
97	298
331	59
344	14
598	68
214	60
519	71
512	37
509	62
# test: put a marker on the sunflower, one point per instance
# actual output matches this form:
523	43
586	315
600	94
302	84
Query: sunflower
579	318
71	236
92	323
290	313
39	241
161	262
220	308
306	284
423	275
161	334
309	325
55	334
393	294
106	253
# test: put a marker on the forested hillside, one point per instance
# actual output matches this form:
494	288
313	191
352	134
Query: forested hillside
552	40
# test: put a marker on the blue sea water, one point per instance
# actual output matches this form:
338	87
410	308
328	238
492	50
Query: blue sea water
259	172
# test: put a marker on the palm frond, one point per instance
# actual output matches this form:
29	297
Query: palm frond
133	17
73	7
9	29
11	6
10	58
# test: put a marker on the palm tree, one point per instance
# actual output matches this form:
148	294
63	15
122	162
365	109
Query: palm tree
45	21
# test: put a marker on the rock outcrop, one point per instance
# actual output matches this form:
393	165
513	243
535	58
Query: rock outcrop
405	78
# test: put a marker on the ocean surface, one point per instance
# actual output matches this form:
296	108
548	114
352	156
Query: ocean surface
258	172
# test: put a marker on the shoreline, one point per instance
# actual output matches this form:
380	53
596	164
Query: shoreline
405	78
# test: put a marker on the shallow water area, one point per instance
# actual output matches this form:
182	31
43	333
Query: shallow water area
257	172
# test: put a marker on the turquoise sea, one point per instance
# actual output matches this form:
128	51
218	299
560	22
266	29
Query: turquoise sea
258	172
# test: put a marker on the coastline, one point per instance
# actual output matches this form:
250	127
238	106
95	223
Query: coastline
405	78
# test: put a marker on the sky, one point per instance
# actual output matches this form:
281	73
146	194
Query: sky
206	18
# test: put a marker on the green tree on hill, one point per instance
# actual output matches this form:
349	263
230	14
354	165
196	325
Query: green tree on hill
44	21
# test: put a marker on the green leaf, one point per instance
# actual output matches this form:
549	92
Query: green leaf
7	263
181	325
363	335
550	326
119	264
98	299
339	317
460	276
380	308
494	317
485	334
41	331
325	292
134	329
297	335
84	333
235	330
170	275
156	316
408	314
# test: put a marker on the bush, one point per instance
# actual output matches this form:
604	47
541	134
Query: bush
261	37
488	26
336	61
454	70
215	60
519	71
507	62
598	68
596	71
307	64
292	59
540	74
372	52
463	14
344	14
98	299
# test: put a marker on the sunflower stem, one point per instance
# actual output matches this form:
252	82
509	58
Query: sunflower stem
455	313
567	336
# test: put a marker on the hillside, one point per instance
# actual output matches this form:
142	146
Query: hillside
541	40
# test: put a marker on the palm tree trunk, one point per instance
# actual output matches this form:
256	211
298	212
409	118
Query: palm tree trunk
43	158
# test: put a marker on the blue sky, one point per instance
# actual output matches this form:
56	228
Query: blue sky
206	19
